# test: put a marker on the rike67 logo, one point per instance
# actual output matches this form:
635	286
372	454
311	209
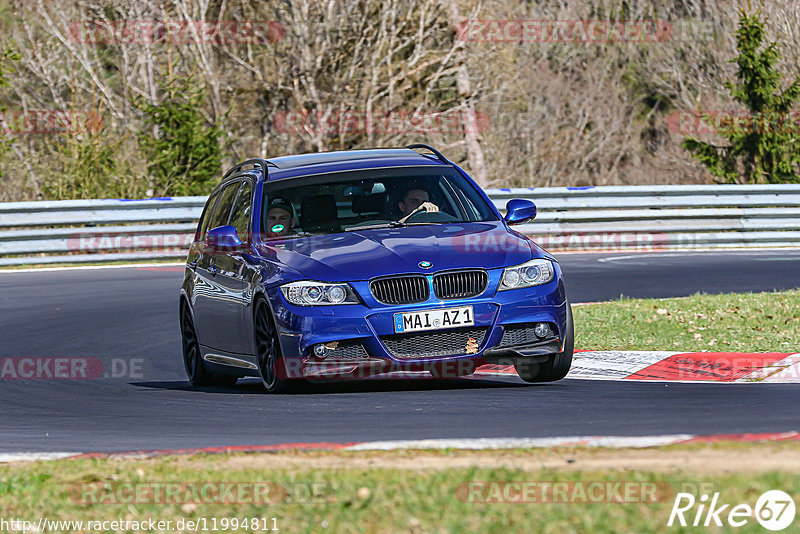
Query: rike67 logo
774	510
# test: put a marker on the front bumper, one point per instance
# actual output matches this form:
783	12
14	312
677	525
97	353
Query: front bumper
363	341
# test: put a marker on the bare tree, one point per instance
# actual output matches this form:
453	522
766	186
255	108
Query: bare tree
345	74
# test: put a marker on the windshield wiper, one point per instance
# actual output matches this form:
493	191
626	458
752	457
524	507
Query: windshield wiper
390	224
400	223
290	236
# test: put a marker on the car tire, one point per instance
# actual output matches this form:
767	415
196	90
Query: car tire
557	366
192	358
269	359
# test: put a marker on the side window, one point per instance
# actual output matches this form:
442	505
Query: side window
202	226
240	216
224	204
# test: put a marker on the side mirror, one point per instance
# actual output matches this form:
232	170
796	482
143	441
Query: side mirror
520	210
223	237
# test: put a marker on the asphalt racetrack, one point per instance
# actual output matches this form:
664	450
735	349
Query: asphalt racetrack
127	318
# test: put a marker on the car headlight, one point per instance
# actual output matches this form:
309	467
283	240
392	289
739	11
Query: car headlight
532	273
311	293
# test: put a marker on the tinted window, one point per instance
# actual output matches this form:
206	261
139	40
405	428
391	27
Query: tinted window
223	209
240	216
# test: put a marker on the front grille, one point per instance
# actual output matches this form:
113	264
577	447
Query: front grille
434	344
400	289
460	284
521	334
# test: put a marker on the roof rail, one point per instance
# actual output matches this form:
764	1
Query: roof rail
259	162
436	153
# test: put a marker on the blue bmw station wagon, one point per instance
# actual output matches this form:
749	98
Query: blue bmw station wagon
366	262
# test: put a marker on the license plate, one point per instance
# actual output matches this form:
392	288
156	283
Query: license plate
433	319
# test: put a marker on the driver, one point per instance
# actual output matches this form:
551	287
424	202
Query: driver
281	218
414	199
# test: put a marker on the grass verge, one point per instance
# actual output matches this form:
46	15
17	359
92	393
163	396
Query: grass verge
389	491
733	322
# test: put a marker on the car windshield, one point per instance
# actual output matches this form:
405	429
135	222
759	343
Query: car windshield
375	198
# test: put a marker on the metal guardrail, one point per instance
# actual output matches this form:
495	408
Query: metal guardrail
605	218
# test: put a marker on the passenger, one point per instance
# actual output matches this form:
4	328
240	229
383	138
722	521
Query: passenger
281	218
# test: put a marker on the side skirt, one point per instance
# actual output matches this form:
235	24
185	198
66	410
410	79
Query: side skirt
224	363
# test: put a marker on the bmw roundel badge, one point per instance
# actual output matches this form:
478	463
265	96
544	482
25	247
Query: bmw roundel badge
425	264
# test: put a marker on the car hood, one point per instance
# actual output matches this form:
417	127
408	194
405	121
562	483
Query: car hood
361	255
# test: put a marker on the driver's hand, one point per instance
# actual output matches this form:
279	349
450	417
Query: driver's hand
430	207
